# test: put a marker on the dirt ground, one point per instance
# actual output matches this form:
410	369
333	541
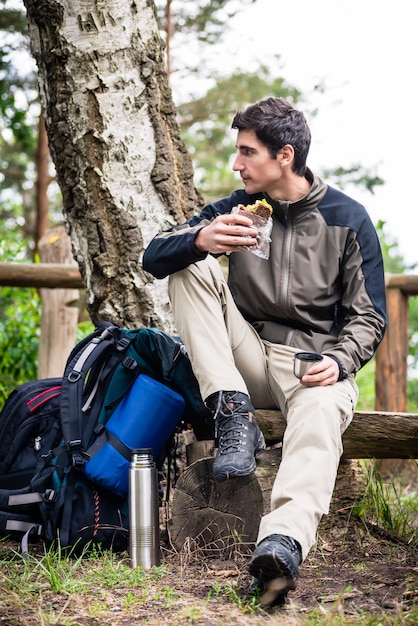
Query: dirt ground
352	572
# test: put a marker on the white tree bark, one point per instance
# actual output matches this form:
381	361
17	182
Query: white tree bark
123	170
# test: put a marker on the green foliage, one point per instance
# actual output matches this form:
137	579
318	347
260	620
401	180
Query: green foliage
17	76
231	93
355	175
413	338
20	311
413	395
12	20
83	329
393	260
19	111
365	380
19	336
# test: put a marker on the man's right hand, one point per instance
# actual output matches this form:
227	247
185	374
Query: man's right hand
227	233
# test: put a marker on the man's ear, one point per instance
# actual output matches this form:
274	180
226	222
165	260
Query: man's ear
286	154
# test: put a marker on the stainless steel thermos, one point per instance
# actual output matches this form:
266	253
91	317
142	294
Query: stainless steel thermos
144	532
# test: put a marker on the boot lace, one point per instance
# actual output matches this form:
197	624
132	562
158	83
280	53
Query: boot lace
231	422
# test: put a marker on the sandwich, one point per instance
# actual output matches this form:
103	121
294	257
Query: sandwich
260	207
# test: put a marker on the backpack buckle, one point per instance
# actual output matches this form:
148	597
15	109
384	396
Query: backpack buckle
122	344
75	444
50	496
129	363
75	451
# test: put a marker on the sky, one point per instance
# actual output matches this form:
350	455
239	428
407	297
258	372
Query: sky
365	52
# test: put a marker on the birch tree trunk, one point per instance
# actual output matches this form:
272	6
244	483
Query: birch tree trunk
122	167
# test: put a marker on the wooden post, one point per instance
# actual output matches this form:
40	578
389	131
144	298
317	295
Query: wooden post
391	356
391	376
59	315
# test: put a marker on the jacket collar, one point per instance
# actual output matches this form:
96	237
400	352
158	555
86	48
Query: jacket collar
293	210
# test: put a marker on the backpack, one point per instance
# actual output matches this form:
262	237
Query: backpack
51	430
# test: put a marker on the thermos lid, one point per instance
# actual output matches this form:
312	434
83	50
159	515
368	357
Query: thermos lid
142	451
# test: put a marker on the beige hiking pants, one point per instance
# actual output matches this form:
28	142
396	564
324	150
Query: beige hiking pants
227	354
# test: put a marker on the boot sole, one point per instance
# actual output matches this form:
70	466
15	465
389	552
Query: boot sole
272	592
233	472
273	572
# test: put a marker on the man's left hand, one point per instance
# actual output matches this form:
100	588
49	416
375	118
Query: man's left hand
322	373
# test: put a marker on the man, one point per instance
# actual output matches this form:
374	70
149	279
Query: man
321	289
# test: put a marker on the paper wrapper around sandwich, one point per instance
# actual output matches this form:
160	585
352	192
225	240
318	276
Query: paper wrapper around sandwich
264	227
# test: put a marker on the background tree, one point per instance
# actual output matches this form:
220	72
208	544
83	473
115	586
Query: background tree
25	163
121	164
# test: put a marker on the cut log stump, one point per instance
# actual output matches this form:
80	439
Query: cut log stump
222	519
214	518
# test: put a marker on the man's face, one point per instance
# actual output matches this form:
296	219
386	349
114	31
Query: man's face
259	172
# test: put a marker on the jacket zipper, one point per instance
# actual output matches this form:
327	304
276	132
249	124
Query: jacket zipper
286	271
286	260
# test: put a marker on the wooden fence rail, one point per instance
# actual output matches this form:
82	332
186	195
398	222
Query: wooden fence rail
38	275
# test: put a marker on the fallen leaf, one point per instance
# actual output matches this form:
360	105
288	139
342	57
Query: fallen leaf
224	573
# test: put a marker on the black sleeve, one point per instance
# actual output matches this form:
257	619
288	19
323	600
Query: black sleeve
174	249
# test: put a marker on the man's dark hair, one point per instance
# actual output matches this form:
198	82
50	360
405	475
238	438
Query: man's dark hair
277	123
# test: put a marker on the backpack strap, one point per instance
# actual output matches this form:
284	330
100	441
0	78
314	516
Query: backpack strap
29	528
96	359
25	526
106	436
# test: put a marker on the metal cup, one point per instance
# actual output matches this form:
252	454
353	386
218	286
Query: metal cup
303	361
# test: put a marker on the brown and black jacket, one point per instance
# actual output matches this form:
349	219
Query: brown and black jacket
321	289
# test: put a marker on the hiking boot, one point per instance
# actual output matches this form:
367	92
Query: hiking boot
239	436
275	564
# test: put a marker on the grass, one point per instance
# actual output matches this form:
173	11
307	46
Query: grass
389	506
103	590
52	581
54	587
